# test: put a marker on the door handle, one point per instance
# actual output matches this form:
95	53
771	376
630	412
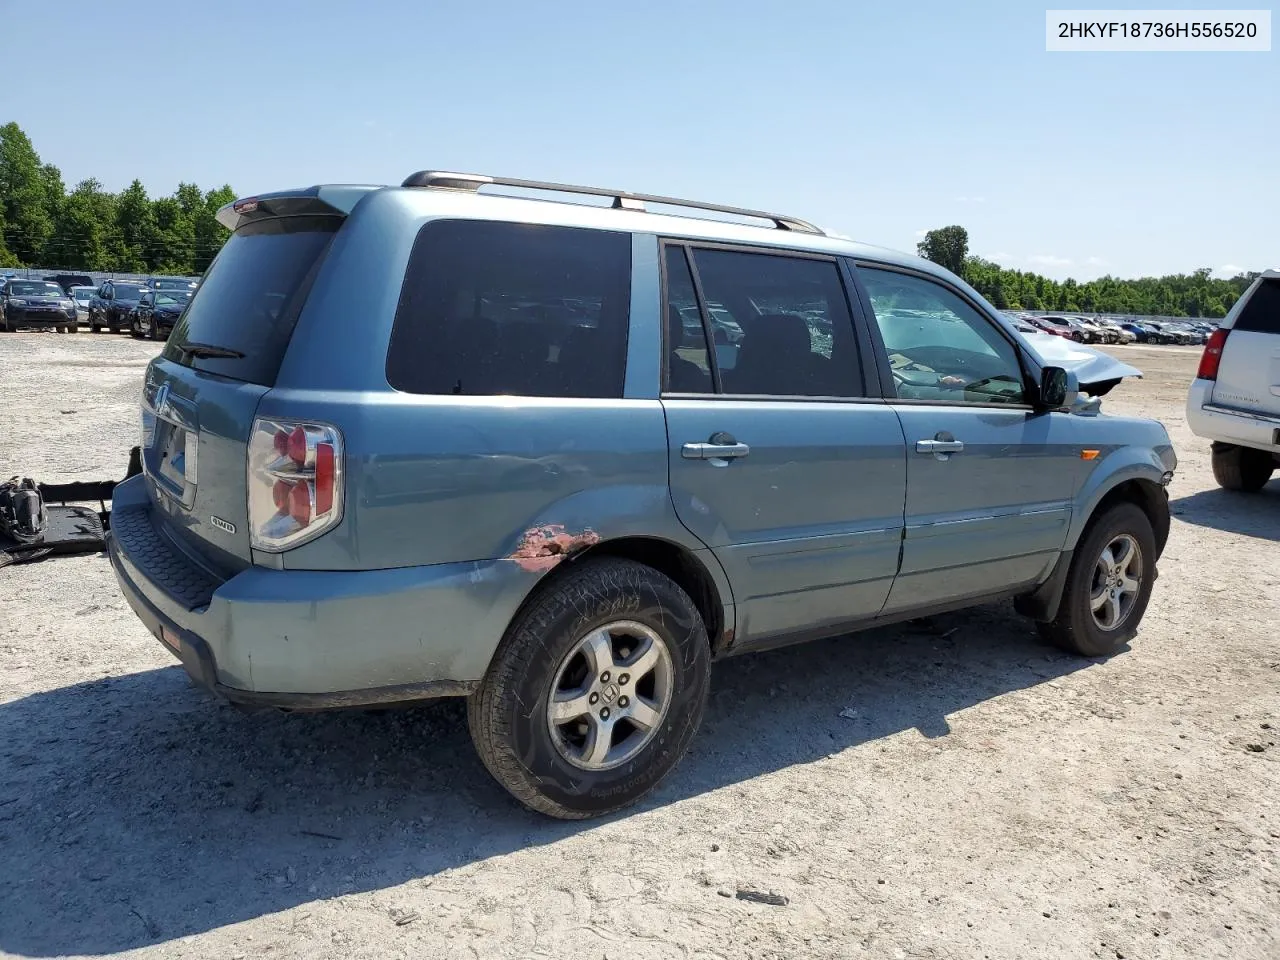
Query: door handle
939	446
714	451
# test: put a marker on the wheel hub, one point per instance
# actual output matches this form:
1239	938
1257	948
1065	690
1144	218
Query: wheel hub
610	695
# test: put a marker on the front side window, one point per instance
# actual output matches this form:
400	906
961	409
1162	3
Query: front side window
491	308
941	348
781	325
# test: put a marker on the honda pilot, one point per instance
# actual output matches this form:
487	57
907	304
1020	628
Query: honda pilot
558	457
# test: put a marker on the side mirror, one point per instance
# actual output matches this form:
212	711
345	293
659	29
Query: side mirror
1053	387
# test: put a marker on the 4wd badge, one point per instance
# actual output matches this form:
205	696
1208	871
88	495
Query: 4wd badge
222	524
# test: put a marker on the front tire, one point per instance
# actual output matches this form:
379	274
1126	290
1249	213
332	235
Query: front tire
135	330
1108	585
595	691
1241	468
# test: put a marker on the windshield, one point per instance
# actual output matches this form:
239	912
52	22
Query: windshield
171	299
129	291
34	288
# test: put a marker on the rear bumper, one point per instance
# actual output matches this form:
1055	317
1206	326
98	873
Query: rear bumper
1257	430
308	640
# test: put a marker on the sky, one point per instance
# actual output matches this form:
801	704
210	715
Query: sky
875	120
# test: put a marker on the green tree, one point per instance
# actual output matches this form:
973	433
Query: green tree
210	234
135	229
85	220
947	246
24	199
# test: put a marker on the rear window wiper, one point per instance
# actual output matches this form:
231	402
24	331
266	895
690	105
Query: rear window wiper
208	351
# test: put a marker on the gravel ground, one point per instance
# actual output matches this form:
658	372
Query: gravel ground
950	789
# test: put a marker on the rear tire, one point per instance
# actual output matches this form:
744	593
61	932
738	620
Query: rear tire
1108	585
548	759
1241	468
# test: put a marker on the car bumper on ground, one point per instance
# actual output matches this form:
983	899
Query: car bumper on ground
1258	430
309	639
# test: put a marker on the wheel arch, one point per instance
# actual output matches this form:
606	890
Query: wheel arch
1144	492
698	573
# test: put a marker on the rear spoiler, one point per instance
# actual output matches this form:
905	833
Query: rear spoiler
334	200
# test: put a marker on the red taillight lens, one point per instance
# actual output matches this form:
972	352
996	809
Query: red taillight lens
324	477
300	503
280	494
295	482
1212	356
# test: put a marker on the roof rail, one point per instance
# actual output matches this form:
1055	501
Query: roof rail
622	199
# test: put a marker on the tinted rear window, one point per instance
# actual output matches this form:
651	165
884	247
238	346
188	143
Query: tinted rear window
494	308
1262	313
251	296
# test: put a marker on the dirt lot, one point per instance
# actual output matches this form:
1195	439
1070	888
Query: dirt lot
981	795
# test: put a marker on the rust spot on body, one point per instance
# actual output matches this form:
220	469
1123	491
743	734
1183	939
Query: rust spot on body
541	548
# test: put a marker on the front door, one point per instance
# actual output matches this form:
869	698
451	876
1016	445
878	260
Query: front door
777	461
989	479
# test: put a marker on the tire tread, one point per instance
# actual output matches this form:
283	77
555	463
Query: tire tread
527	636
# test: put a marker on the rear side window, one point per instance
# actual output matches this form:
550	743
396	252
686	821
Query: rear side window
250	298
781	324
492	308
1262	313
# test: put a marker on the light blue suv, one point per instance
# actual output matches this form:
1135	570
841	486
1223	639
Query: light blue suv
557	457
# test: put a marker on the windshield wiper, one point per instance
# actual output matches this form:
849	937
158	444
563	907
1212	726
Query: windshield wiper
207	351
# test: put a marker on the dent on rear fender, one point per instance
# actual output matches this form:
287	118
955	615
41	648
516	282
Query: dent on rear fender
542	548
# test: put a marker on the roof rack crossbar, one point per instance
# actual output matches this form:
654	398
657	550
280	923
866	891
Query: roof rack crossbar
622	199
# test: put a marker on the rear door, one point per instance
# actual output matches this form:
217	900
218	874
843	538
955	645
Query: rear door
778	461
202	392
990	480
1249	374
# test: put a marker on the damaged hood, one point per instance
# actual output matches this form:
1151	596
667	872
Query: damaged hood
1096	371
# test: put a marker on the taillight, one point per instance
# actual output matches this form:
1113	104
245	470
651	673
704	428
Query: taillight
1212	356
295	482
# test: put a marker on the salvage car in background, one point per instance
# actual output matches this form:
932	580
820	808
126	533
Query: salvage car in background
157	312
82	295
111	305
36	303
1234	400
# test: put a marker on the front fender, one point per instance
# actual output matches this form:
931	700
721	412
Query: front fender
1119	466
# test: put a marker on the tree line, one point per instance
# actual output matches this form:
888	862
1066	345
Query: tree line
1197	294
89	228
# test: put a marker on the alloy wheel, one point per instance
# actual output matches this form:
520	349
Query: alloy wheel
1117	581
610	695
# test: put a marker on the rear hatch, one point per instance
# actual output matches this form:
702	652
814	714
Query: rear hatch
202	392
1249	373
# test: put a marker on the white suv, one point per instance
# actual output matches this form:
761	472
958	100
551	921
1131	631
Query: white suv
1235	398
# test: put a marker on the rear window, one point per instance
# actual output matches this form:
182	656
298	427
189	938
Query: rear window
251	296
1262	313
491	308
